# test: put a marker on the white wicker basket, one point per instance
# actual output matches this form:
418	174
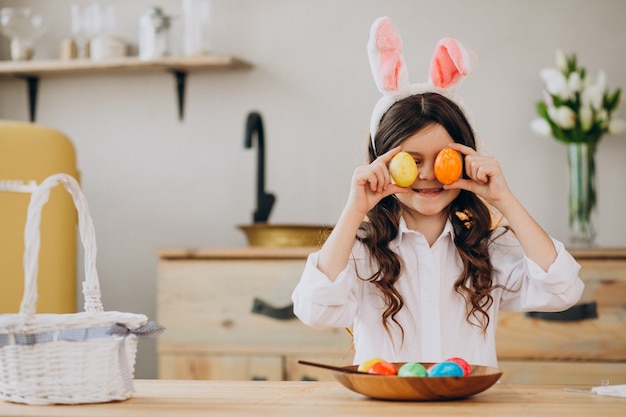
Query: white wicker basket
86	357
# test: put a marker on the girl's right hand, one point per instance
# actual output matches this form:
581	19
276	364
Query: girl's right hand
372	182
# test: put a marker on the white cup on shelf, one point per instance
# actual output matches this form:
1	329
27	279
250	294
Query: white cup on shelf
196	25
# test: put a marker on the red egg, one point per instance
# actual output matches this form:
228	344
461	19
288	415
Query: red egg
467	369
383	368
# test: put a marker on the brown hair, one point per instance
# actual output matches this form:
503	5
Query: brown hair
470	217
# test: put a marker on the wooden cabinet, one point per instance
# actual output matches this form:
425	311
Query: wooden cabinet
586	351
227	316
224	310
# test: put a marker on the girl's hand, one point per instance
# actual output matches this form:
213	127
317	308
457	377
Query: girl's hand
372	182
486	178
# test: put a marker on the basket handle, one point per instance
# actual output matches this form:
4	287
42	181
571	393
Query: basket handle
32	242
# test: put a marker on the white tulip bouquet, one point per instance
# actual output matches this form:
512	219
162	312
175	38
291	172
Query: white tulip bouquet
576	109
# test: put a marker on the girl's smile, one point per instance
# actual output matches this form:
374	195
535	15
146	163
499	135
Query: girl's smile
429	192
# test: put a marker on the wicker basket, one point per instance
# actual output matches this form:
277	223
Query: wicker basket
87	357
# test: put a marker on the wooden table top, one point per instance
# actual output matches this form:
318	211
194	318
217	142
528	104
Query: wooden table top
157	398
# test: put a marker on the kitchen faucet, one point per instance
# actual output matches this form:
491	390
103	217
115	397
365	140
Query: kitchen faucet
264	201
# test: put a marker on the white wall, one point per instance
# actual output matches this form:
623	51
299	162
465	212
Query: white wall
154	182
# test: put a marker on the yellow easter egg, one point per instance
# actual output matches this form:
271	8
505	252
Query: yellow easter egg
403	169
365	366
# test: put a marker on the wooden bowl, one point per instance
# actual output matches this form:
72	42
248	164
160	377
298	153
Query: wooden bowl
419	388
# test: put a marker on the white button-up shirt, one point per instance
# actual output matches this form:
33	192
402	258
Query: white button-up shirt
434	314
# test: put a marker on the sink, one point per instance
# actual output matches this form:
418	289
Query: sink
260	232
285	235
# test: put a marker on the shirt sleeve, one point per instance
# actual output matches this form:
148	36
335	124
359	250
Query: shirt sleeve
528	286
320	302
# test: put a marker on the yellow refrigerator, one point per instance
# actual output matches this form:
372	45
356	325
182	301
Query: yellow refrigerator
28	154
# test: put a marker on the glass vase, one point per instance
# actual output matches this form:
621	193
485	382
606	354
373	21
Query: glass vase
582	193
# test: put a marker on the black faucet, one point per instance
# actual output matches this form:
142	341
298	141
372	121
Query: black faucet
264	201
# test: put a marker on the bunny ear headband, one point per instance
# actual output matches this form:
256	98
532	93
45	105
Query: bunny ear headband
450	64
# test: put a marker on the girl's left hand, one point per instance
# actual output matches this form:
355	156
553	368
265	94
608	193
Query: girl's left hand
486	178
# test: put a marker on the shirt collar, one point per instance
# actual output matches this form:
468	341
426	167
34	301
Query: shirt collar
404	230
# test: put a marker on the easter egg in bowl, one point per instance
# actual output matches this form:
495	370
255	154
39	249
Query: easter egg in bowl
419	387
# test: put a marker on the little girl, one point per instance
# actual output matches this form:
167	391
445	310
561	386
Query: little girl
420	273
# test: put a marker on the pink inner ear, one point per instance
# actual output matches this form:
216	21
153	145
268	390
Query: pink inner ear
389	46
447	64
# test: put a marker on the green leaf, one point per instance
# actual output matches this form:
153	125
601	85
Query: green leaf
542	110
613	101
557	101
572	63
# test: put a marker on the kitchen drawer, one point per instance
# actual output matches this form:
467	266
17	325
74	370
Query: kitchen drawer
586	351
228	315
562	372
190	363
602	338
299	372
198	365
210	304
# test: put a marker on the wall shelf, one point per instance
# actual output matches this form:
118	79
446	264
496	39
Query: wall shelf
179	67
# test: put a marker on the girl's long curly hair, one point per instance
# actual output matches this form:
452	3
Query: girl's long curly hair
470	217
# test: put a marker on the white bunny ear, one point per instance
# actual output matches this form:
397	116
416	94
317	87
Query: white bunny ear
385	55
451	63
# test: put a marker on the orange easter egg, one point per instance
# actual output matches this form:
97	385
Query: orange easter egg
448	166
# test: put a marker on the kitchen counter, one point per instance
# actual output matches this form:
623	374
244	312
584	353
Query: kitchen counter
298	398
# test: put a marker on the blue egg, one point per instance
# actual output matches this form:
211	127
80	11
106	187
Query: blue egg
445	369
